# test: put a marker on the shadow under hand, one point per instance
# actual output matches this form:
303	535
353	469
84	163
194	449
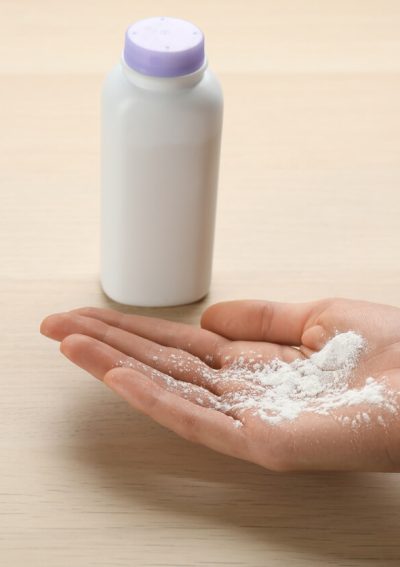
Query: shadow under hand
331	515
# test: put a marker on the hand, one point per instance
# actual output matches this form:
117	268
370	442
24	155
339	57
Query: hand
170	372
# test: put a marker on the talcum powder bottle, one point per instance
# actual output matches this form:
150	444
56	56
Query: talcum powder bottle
162	113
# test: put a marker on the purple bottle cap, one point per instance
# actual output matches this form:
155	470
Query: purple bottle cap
164	47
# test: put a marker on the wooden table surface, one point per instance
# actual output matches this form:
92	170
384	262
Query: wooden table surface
309	207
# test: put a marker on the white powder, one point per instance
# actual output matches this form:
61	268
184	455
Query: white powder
279	391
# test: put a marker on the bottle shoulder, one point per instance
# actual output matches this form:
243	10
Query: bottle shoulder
118	88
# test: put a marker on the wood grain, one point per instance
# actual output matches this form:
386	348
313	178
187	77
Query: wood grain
308	207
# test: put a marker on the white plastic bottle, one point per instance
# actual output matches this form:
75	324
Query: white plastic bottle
162	113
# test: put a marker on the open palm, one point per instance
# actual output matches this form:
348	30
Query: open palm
171	371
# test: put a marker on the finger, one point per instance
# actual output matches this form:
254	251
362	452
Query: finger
314	338
192	422
253	320
255	352
199	342
98	358
224	351
168	360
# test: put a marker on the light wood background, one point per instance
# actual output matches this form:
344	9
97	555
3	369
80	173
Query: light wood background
309	207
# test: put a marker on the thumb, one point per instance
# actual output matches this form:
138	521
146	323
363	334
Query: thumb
255	320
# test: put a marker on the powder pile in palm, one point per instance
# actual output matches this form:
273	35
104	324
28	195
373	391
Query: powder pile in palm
323	384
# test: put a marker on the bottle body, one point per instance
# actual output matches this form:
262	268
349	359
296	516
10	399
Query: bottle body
160	160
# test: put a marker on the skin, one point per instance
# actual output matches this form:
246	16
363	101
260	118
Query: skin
170	371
